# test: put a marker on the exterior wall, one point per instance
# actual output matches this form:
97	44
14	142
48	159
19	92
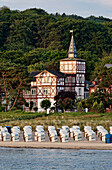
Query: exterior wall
80	80
80	67
45	87
68	67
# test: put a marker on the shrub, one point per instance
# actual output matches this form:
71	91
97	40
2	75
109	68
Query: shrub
45	104
35	109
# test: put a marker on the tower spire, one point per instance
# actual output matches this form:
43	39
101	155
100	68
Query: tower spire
72	52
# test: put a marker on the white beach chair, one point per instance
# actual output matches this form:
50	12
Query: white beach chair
64	135
53	135
5	134
39	127
15	135
76	127
91	135
103	132
85	130
39	134
99	128
73	129
27	133
71	133
65	128
77	135
50	128
0	134
110	129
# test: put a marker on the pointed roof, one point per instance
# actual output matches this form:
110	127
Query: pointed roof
72	53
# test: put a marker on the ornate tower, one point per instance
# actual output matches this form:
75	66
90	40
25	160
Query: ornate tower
74	67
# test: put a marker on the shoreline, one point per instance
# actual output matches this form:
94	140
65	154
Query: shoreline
96	145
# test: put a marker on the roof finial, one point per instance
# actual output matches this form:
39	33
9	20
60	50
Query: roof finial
72	52
71	31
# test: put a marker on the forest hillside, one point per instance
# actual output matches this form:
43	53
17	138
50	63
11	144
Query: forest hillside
38	40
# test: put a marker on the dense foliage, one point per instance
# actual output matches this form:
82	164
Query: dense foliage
38	40
97	102
13	79
65	100
45	104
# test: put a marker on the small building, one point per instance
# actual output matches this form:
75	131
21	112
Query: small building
47	83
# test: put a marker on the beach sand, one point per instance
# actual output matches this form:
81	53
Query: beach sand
96	145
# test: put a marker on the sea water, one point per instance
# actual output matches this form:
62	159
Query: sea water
46	159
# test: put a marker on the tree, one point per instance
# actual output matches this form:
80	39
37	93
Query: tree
97	101
31	105
102	74
35	109
95	106
65	103
13	79
80	107
101	107
65	100
45	104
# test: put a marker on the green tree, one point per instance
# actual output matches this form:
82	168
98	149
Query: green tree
35	109
95	106
45	104
101	107
13	79
103	74
31	105
80	107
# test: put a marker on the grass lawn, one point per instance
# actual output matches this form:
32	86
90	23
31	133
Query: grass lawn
21	118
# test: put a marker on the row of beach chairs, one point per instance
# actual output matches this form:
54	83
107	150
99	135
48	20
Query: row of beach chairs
54	135
6	136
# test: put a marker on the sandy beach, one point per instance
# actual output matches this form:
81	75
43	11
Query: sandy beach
96	145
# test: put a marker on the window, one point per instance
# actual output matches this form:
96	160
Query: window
42	79
46	91
73	79
69	79
80	79
45	79
66	67
66	79
70	67
49	79
80	92
67	88
26	92
33	91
